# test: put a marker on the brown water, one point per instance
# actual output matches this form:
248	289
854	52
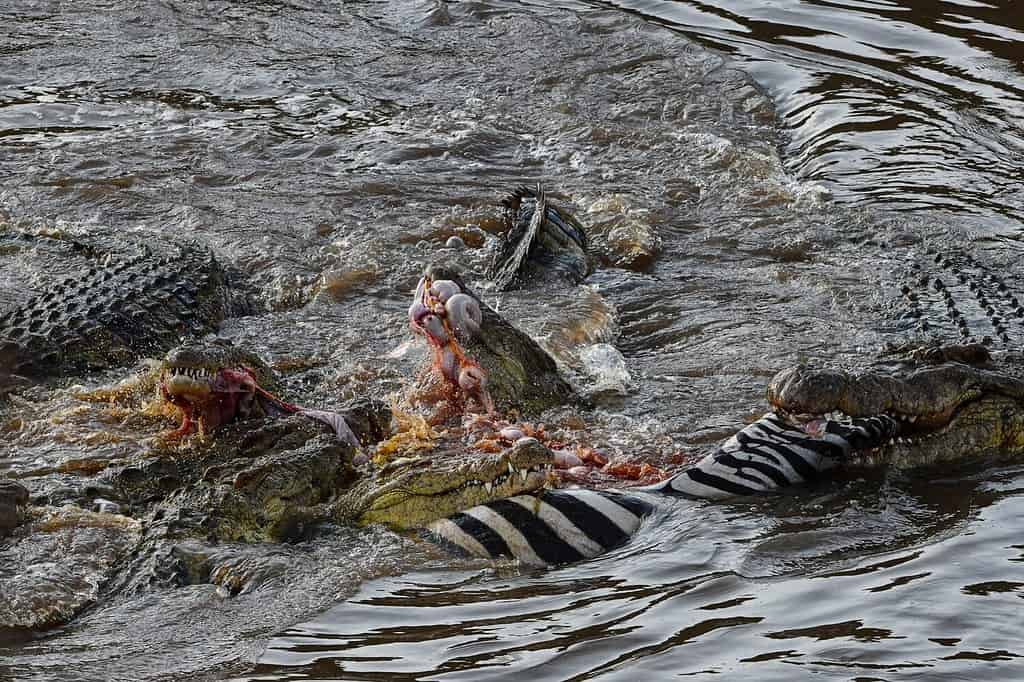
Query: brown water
329	151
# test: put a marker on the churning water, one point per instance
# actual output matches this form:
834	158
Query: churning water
786	161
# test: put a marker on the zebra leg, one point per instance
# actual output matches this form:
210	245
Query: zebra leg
555	527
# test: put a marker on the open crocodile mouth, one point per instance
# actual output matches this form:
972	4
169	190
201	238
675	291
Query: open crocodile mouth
186	383
926	402
905	428
210	397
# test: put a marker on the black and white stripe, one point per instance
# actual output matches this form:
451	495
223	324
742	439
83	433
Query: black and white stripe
772	453
562	526
556	527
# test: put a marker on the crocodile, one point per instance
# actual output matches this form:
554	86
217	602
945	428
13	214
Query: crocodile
260	480
213	382
132	301
950	401
954	295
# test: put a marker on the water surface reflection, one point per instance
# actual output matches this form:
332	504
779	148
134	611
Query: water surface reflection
909	105
871	585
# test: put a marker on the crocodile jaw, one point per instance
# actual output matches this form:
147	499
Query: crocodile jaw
931	394
208	398
404	509
992	425
427	489
183	387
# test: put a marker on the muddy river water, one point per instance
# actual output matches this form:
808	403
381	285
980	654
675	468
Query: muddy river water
789	162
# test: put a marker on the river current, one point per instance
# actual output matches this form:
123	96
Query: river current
786	160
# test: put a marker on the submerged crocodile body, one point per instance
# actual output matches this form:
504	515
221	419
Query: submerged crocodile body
120	306
955	296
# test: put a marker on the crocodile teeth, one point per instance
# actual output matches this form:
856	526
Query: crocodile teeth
489	487
524	473
511	469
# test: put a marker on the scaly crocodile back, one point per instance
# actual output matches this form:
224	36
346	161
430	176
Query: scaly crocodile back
116	311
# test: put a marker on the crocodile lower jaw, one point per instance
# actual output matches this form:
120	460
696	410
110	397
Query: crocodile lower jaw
405	509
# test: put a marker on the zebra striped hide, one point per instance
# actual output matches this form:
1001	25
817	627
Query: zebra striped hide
562	526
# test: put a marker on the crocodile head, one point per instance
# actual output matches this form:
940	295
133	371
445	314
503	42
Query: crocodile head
946	412
213	382
272	479
267	479
477	355
412	492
